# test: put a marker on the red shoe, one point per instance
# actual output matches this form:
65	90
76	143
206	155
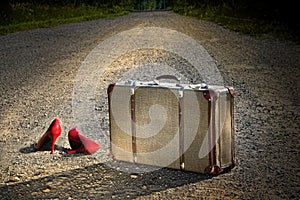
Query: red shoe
48	140
80	143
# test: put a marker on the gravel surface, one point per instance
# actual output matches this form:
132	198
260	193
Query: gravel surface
38	71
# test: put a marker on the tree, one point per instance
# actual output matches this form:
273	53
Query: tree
5	11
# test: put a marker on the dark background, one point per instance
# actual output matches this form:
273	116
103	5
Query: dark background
286	12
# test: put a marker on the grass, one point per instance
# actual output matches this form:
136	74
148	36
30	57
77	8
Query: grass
242	21
26	16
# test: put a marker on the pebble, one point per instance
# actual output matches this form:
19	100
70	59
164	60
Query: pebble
144	187
14	179
133	176
47	190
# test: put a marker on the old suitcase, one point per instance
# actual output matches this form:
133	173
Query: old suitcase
173	125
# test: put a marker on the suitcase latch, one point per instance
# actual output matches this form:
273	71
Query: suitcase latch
201	86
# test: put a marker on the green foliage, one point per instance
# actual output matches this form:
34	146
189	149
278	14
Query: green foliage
26	16
254	17
240	17
149	5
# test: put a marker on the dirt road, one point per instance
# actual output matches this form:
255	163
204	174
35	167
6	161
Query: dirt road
39	69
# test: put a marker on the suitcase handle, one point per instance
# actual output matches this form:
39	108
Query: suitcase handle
169	77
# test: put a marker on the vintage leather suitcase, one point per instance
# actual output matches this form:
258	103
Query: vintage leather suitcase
173	125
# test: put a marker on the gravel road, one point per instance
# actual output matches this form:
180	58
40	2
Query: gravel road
38	71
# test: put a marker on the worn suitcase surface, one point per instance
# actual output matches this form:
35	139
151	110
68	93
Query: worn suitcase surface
179	126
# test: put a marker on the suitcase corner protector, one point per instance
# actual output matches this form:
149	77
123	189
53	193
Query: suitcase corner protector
110	88
231	91
212	170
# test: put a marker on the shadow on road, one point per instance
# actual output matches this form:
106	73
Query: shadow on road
30	149
99	182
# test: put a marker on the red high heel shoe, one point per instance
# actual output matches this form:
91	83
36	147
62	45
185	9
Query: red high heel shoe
80	143
49	138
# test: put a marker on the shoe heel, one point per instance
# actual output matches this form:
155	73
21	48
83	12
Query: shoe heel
54	138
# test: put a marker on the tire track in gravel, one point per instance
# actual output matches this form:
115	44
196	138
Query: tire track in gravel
38	69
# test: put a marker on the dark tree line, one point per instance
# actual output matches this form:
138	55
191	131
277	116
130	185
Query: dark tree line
6	5
283	10
70	2
268	6
5	9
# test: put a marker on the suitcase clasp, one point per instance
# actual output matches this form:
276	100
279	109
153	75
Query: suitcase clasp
201	86
132	85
